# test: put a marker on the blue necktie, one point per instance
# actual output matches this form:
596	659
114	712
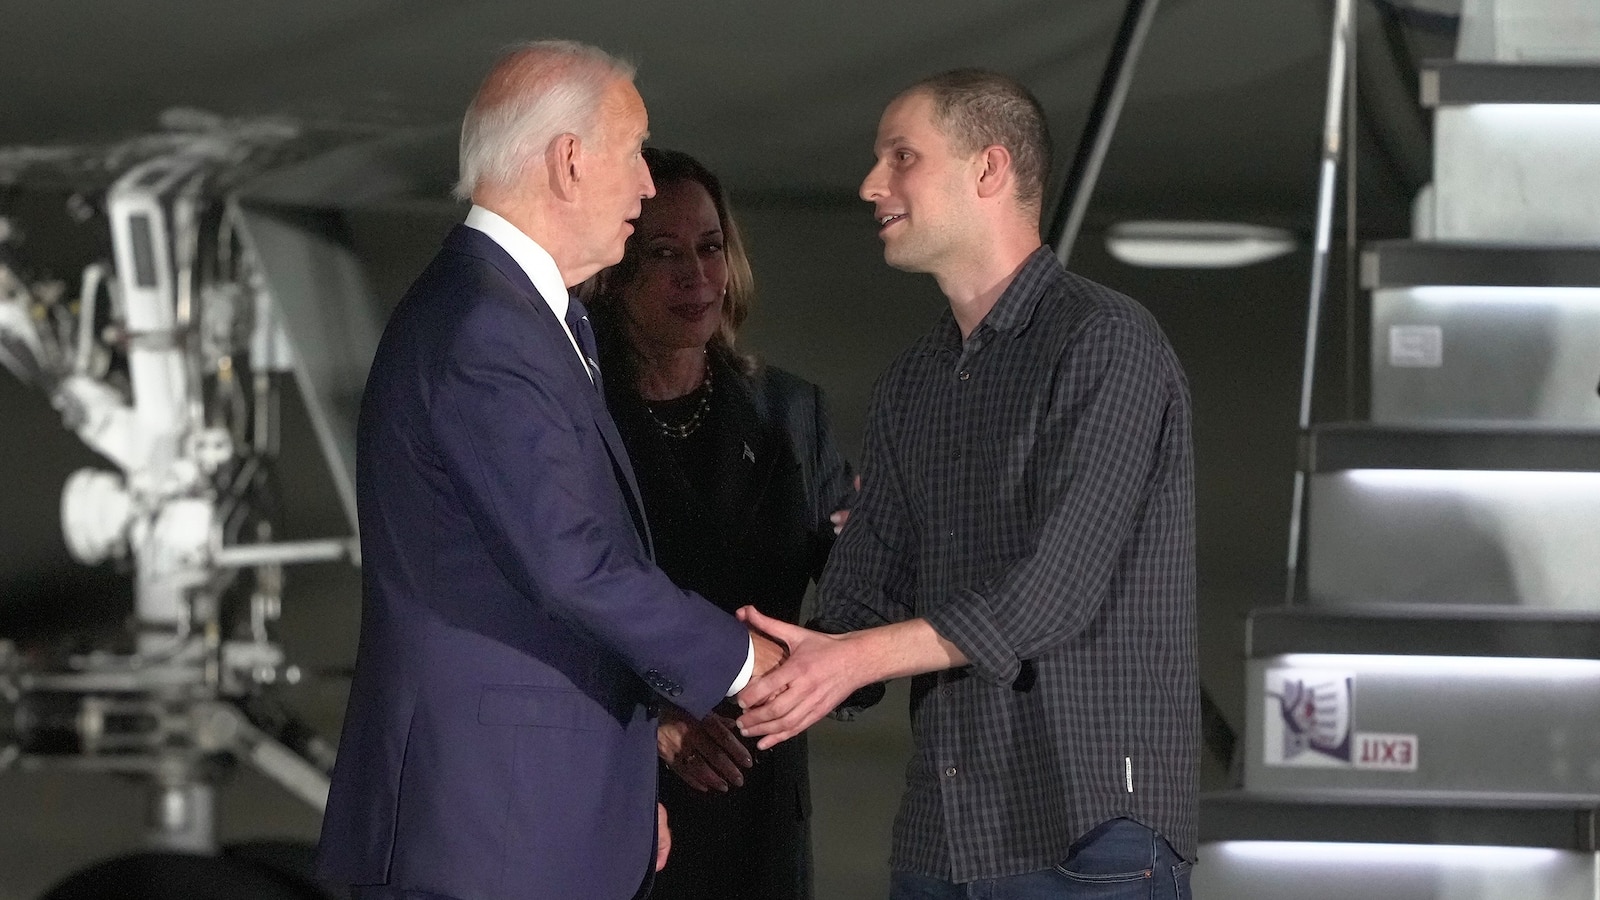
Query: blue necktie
578	321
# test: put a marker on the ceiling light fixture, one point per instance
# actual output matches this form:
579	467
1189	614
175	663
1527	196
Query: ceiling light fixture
1196	245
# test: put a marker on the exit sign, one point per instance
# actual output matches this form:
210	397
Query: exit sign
1391	752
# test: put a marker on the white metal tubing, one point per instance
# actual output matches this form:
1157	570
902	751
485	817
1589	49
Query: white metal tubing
183	817
287	768
94	275
1296	514
246	556
1332	144
1102	124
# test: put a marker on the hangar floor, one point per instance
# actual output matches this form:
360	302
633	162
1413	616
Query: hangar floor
56	823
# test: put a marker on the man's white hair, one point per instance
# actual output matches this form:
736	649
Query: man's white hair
536	92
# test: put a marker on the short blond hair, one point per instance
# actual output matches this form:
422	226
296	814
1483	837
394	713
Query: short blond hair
976	108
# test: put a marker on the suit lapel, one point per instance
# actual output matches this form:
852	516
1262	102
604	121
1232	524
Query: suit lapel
475	243
621	465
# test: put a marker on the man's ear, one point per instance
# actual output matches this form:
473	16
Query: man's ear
565	162
994	170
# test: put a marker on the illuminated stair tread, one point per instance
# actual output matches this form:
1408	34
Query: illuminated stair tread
1415	630
1401	817
1399	264
1454	83
1469	446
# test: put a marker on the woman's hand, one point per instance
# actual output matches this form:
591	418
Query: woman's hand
840	517
707	754
663	838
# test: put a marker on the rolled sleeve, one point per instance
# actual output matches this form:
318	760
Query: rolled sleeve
969	623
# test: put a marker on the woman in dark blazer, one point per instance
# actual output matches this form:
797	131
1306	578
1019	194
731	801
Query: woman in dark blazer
742	486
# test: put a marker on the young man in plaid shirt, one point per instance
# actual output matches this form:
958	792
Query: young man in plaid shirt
1023	543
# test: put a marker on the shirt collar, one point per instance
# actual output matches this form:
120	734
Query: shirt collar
1013	311
534	259
1021	298
944	335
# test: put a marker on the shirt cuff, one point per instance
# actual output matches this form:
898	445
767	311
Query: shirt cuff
968	622
745	673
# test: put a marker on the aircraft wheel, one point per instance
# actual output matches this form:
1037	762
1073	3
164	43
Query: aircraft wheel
179	876
293	861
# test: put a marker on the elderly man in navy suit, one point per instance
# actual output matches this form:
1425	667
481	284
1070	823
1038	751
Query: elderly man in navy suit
515	635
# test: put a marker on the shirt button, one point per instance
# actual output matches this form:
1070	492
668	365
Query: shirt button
950	772
965	375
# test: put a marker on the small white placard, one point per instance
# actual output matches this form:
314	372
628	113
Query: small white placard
1416	346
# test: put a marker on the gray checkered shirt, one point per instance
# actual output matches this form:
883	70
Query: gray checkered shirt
1030	493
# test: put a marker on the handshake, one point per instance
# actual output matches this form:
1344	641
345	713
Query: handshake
800	676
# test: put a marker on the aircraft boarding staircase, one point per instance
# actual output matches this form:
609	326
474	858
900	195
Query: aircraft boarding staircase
1423	717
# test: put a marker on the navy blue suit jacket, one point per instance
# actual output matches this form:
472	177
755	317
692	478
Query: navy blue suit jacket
499	739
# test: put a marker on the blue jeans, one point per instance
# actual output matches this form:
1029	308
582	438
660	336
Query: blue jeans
1118	860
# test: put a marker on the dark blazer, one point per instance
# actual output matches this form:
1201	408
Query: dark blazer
759	535
500	739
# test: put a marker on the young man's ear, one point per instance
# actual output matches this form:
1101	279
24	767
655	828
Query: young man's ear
565	164
994	173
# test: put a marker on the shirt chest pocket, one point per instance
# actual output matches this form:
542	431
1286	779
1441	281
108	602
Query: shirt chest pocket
999	461
1002	493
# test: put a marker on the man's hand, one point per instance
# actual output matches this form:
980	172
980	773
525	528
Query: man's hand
663	838
707	754
821	671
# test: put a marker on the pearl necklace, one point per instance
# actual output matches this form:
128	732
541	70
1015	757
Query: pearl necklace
681	431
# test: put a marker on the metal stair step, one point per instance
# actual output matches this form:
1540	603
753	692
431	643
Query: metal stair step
1401	264
1465	331
1434	706
1453	515
1455	83
1312	847
1516	153
1412	630
1401	818
1467	446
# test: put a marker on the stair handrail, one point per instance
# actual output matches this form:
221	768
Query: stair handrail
1341	62
1100	126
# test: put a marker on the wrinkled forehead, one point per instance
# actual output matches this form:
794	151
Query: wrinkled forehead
622	109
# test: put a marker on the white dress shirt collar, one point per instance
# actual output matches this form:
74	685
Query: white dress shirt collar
533	259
